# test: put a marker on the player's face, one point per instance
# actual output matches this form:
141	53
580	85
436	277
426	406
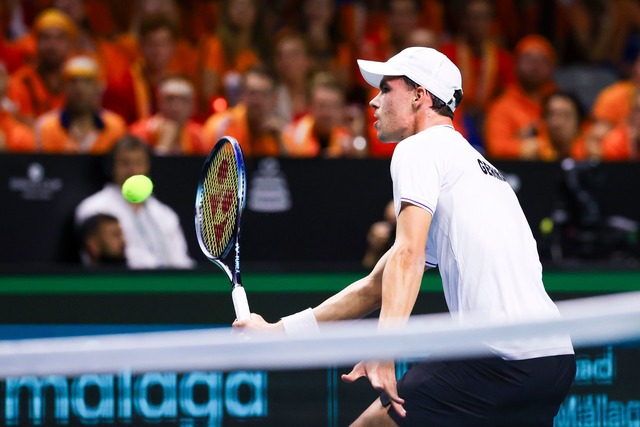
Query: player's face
393	110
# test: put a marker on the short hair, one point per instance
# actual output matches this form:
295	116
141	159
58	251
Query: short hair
130	142
571	97
157	21
287	34
439	106
91	225
263	71
325	79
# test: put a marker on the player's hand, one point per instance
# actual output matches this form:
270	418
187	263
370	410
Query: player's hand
382	376
256	323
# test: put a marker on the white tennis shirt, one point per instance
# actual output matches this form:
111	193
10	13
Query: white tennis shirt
479	237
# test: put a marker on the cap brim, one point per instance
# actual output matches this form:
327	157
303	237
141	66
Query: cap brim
374	71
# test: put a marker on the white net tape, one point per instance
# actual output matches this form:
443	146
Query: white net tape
590	321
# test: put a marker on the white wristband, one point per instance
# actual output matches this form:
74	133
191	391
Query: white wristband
301	323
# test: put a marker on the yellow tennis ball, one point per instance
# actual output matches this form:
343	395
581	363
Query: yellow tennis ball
137	188
546	225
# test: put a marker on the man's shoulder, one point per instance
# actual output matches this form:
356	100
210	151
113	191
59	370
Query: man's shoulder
158	207
616	91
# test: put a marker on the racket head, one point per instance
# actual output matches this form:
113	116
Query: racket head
220	199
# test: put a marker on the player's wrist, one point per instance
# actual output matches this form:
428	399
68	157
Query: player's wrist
301	323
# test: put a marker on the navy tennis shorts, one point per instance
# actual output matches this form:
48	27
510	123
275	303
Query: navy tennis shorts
489	392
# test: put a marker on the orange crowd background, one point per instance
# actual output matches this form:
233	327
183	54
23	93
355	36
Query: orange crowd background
542	79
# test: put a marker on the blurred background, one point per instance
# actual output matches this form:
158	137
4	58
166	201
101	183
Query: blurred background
94	91
550	92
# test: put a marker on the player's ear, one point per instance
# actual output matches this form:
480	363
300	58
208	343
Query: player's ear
420	95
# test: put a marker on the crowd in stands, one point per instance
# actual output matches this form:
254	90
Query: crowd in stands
542	79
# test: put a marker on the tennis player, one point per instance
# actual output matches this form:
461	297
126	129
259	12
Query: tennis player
455	211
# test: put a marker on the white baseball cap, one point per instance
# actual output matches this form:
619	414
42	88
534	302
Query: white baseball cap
424	65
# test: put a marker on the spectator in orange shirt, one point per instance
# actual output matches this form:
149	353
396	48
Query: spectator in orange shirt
157	46
329	48
113	63
623	142
402	17
38	88
564	125
14	135
514	119
613	105
253	121
184	60
239	43
322	132
293	64
486	67
81	126
172	131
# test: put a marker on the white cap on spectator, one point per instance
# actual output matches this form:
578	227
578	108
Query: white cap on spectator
424	65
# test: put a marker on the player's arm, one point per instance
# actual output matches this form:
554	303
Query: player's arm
353	302
356	300
404	267
401	280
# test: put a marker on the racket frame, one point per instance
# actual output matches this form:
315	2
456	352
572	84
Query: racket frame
232	271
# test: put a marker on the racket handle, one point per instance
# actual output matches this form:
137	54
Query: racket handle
240	303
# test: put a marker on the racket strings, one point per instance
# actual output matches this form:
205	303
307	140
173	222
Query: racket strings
220	201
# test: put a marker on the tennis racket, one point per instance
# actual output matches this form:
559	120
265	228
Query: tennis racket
220	201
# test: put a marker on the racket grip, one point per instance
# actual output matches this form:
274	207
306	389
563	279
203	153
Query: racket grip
240	303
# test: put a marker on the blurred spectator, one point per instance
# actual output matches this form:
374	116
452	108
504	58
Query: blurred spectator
14	135
294	65
596	32
151	228
13	22
102	241
253	121
613	105
386	39
38	88
380	237
10	54
184	59
328	46
81	126
514	119
623	142
564	127
423	37
239	43
113	63
172	131
486	67
157	46
323	131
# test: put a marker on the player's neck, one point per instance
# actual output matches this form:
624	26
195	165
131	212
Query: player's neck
432	120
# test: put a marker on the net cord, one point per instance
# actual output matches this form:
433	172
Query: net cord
601	320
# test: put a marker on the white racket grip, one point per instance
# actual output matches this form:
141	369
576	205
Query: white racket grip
240	303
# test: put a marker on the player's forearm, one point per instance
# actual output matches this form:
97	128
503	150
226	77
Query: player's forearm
354	302
400	285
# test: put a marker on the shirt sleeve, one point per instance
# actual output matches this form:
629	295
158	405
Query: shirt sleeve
416	176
